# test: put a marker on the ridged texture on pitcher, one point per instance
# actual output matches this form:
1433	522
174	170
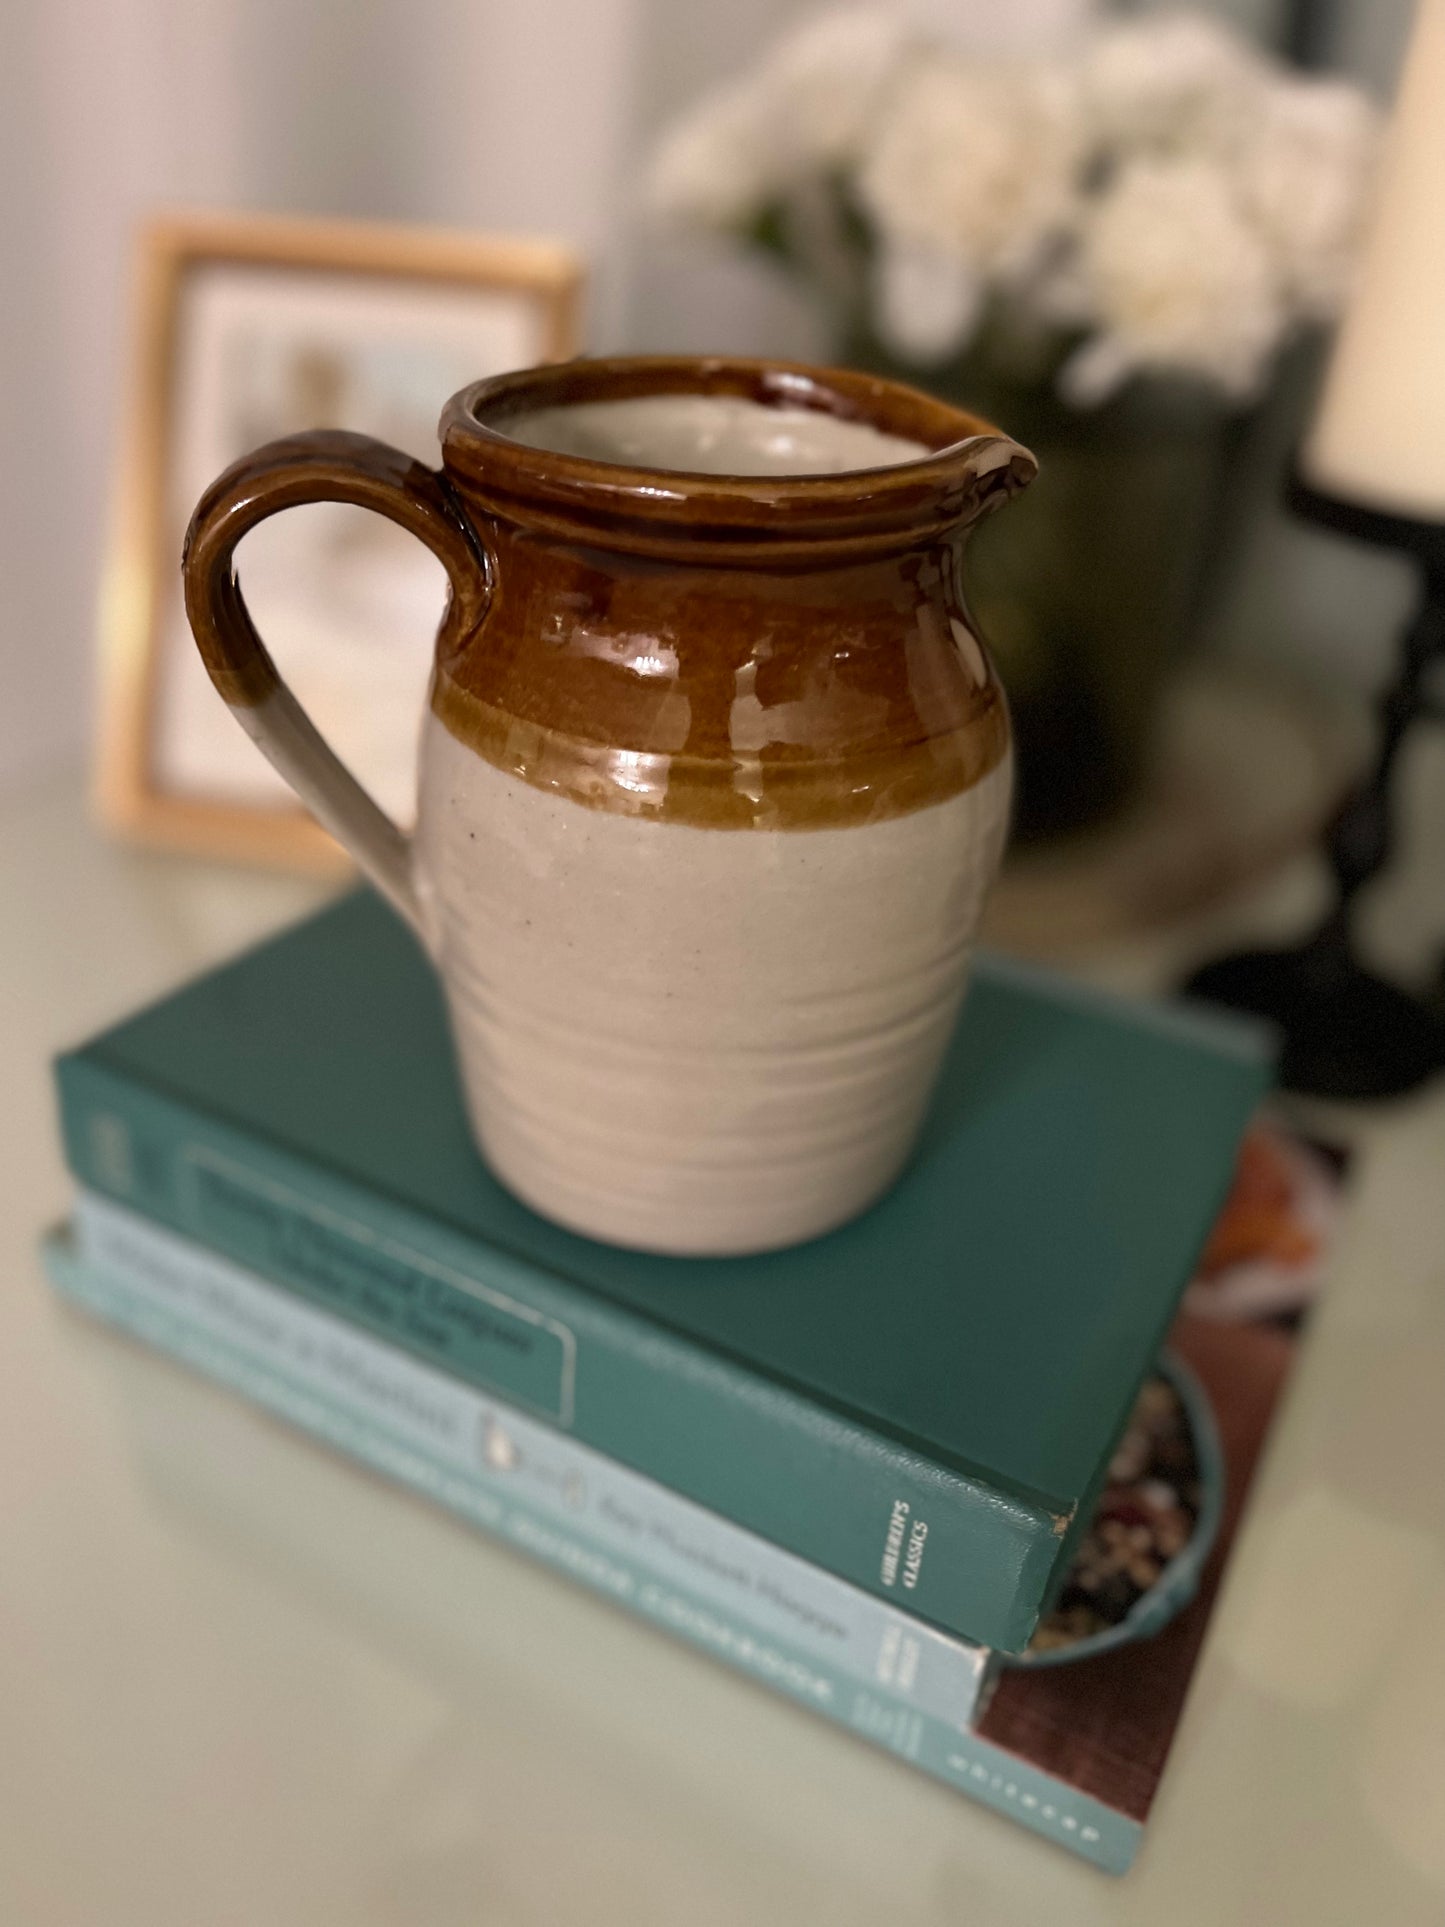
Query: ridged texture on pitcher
697	1040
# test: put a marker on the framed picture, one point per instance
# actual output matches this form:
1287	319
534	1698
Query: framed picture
248	329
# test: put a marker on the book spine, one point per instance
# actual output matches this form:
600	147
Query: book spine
464	1434
397	1418
812	1480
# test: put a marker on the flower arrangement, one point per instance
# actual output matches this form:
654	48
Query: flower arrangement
1170	201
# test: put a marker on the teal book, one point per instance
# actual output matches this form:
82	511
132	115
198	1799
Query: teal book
431	1431
1074	1751
921	1404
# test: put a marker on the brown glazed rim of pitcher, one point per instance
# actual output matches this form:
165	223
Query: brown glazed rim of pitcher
971	467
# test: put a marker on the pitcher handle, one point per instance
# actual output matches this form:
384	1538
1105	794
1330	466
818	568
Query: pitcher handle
321	466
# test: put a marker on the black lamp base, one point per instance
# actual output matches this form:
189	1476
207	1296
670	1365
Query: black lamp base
1347	1034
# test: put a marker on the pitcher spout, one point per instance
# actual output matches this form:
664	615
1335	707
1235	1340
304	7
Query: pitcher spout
742	461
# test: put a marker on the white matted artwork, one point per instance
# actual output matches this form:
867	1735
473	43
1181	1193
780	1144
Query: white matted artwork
251	330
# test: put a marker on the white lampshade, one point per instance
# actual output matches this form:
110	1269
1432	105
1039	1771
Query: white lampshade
1379	438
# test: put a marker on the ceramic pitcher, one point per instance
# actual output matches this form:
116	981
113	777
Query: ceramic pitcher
714	776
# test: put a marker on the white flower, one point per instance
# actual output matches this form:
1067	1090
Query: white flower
803	112
1174	196
924	302
1177	278
825	80
973	160
1303	175
719	165
1174	81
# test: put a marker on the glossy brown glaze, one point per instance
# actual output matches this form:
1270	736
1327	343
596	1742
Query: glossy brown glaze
772	652
721	696
750	652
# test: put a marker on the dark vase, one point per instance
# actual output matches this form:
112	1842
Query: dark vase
1090	588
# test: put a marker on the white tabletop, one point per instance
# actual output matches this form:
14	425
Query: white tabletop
243	1682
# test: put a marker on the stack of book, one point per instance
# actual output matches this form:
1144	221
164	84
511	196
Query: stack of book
857	1471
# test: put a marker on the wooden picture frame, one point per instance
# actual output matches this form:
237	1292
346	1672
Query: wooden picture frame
264	298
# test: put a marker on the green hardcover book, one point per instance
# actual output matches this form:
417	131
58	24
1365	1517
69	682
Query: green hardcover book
921	1403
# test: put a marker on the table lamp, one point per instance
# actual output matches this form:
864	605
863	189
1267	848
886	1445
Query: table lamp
1373	468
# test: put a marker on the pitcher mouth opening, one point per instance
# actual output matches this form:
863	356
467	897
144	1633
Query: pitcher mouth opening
886	465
